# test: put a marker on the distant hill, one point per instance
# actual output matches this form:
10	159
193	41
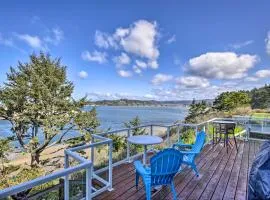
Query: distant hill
129	102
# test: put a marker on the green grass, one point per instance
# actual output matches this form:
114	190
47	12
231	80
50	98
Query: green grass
261	115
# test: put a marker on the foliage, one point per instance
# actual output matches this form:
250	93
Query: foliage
37	99
188	136
24	175
261	98
133	102
4	149
195	110
134	123
227	101
119	142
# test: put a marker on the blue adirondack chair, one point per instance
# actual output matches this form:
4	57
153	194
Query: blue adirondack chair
163	167
194	150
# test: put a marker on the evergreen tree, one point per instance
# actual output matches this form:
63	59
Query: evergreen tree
260	98
37	100
134	123
227	101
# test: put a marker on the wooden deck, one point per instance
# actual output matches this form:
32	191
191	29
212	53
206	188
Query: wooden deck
222	176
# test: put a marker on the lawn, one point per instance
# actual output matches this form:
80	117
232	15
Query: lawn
261	115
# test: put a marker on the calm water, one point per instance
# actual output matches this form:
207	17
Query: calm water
114	117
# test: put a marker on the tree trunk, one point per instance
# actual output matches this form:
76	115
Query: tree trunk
35	158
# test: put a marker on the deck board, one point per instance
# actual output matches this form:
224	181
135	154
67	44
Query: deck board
231	187
188	189
222	176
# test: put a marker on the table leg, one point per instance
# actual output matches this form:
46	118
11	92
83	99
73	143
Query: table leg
144	154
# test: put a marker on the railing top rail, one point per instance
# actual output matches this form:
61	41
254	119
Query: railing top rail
75	155
38	181
239	117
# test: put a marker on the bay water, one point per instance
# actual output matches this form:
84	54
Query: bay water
113	117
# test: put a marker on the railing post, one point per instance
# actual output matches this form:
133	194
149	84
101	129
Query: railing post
178	133
93	151
168	137
88	185
66	181
151	133
128	148
110	166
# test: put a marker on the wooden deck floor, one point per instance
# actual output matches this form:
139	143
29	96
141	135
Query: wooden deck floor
222	176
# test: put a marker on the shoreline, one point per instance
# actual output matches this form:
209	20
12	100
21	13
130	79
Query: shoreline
56	153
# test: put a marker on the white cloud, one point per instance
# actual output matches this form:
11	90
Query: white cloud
141	40
104	40
210	92
120	95
56	37
267	43
83	74
153	64
136	69
141	64
221	65
264	73
124	73
251	79
171	39
123	59
96	56
33	41
120	33
161	78
193	82
241	44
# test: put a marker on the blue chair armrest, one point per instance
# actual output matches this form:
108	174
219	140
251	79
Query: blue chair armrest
140	168
189	152
182	145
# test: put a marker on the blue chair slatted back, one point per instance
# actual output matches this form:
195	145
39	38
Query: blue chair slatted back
164	166
200	138
198	145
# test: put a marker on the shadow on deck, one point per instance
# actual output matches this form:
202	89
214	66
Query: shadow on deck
222	176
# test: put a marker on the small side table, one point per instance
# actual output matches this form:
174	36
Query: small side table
145	140
224	128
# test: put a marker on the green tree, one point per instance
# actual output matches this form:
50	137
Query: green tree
227	101
134	124
195	110
119	142
260	97
4	150
37	100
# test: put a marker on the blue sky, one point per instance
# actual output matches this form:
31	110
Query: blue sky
143	49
